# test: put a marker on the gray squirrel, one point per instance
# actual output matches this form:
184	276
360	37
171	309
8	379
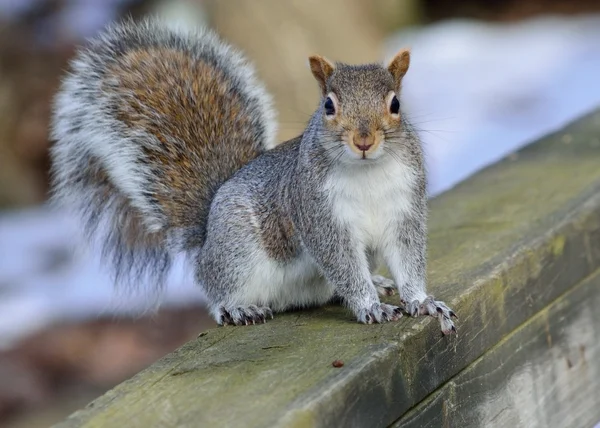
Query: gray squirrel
165	143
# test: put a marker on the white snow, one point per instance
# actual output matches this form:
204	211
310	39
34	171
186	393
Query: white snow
47	275
480	91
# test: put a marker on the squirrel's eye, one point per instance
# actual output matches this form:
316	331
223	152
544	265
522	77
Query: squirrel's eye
329	107
395	105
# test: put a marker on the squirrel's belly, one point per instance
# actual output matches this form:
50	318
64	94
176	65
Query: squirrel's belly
284	285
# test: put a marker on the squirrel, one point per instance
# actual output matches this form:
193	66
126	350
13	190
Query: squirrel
164	142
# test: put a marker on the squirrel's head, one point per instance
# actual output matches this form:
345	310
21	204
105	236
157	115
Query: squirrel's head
360	106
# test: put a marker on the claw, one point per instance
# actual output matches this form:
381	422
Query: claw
379	313
434	308
244	315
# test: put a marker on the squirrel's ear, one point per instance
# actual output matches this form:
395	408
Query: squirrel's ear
321	68
398	66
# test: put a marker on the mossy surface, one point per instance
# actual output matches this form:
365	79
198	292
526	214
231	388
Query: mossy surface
503	245
552	380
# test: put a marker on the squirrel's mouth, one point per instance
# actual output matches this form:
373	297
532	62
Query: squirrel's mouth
363	156
364	145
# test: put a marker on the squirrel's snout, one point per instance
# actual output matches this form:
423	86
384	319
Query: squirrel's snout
364	143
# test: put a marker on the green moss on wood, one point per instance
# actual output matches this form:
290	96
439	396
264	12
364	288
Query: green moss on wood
544	373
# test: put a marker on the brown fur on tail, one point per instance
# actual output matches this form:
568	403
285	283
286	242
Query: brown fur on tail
148	125
201	125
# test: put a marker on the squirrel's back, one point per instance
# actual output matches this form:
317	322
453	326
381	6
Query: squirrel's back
148	124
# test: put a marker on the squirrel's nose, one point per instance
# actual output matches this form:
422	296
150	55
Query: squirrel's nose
363	143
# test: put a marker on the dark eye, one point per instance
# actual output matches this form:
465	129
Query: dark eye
329	107
395	105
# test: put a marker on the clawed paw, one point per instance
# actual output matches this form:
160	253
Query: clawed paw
436	309
379	313
384	286
244	315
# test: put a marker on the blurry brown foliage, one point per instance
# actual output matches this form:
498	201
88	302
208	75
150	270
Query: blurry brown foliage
29	76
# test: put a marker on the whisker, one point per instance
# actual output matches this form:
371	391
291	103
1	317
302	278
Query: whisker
427	118
393	155
422	113
436	136
334	160
435	130
329	150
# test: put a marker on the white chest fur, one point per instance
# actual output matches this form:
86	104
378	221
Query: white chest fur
370	200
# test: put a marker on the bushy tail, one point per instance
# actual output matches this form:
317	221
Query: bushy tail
147	126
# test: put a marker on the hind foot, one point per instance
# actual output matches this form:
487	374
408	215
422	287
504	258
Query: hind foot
244	315
384	286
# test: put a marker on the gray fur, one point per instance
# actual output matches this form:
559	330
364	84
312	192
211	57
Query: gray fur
291	180
302	224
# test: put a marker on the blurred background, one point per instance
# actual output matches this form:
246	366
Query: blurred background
487	77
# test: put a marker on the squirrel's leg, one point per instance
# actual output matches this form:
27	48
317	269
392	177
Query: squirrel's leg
225	295
407	261
229	302
345	265
225	268
219	276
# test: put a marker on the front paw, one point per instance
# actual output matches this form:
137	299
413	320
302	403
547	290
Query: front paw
244	315
379	313
436	309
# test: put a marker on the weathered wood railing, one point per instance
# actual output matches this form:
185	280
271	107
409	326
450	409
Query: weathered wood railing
515	249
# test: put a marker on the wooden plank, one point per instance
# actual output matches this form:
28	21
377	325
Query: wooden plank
503	245
544	374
